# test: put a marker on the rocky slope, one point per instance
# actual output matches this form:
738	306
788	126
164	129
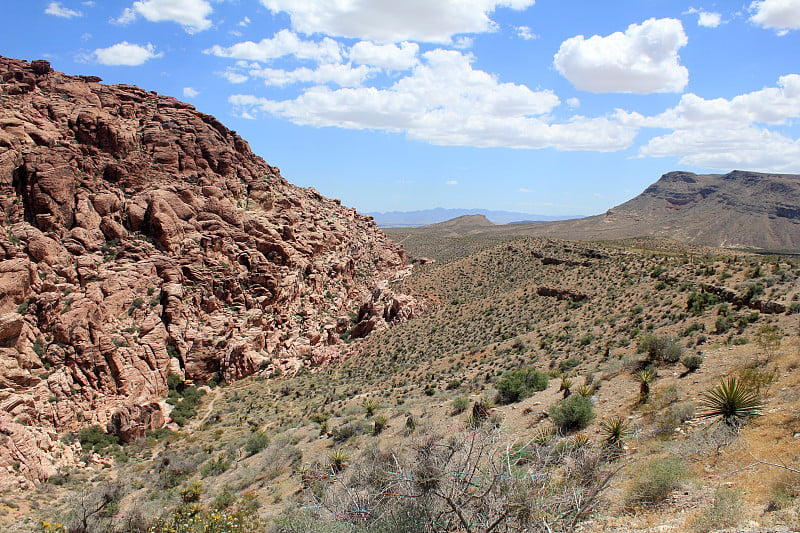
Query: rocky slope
141	238
740	209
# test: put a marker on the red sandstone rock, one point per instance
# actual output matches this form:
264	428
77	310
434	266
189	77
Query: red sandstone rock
146	238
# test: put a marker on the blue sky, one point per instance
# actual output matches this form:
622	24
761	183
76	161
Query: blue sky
546	106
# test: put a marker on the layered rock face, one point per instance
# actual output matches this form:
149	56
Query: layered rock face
141	237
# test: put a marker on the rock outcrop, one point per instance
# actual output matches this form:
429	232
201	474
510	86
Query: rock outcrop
142	237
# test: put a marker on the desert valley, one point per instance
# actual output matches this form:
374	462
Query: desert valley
189	343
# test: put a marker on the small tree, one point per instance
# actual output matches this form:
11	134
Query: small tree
519	384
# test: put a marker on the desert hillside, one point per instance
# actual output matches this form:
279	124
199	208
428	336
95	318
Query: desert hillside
142	242
382	439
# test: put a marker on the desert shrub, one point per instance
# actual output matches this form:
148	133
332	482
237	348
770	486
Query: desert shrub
722	324
379	424
215	466
519	384
193	517
347	431
657	480
572	413
692	362
794	308
459	405
698	302
659	349
96	439
257	442
725	512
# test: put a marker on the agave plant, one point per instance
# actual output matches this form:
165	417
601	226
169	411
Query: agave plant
731	400
614	431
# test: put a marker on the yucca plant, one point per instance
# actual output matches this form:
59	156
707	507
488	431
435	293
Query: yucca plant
584	390
614	431
645	378
732	401
338	459
566	384
370	406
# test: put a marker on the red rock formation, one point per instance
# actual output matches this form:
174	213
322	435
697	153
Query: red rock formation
142	237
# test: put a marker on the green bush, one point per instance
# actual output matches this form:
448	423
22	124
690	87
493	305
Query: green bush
692	362
459	405
659	478
572	413
659	349
519	384
257	442
96	439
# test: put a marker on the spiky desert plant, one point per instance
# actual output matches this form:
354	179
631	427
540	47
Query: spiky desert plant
645	378
543	436
338	459
584	390
370	406
614	431
730	400
566	384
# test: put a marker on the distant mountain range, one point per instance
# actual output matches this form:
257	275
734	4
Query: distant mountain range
741	209
413	219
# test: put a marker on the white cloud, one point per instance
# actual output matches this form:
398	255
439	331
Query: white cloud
526	33
392	21
125	54
233	77
191	14
524	190
748	148
244	22
707	19
451	182
725	134
573	103
445	101
57	10
388	56
771	105
642	60
284	43
780	15
342	75
190	92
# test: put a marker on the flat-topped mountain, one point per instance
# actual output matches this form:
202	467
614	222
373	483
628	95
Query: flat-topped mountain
740	209
143	239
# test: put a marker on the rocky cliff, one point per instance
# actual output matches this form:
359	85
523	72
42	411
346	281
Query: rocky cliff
141	237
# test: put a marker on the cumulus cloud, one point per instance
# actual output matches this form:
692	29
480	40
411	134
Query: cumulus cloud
190	92
57	10
392	21
340	74
387	56
728	133
644	59
771	105
707	19
780	15
191	14
125	54
750	147
283	43
445	101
